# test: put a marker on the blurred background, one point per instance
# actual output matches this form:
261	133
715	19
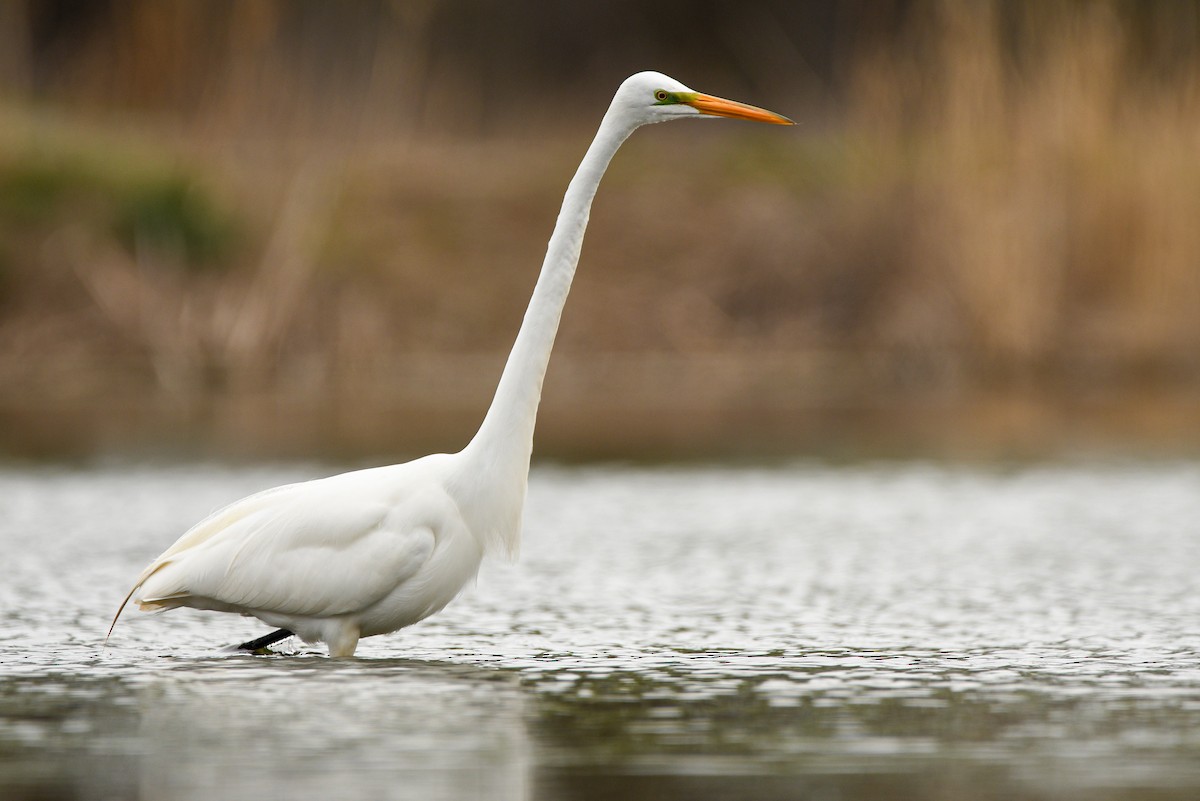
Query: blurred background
292	228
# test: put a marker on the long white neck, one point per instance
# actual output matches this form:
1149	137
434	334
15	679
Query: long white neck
502	447
506	435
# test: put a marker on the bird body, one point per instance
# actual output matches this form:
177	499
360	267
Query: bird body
334	559
372	551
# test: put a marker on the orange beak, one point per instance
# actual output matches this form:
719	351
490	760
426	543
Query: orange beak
719	107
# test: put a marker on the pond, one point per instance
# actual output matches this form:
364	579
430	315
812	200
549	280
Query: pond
873	631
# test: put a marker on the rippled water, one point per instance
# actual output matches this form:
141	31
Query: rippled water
895	631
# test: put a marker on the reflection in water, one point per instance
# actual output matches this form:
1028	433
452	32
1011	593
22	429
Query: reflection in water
321	728
285	728
880	632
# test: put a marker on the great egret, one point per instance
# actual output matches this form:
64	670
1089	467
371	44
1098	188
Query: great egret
372	551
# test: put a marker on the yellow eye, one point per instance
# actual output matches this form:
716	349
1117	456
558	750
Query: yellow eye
661	95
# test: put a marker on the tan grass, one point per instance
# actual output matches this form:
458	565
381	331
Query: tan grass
1057	196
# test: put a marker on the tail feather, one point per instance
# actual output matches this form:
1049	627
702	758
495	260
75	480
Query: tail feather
120	609
142	603
161	602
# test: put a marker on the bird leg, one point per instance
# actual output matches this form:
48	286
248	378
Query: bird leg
344	642
264	641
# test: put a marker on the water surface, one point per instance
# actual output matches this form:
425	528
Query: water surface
880	631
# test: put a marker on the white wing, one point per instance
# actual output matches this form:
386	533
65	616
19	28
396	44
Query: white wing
320	549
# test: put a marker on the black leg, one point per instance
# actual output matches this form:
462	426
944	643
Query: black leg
265	640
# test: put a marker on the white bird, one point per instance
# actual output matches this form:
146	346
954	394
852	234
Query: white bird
372	551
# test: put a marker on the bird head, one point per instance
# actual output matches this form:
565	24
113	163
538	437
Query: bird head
653	97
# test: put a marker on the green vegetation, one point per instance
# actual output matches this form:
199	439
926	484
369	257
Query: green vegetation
174	217
156	207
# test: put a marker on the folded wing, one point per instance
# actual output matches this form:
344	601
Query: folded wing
295	550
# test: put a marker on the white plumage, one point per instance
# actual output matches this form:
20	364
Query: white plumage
373	551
